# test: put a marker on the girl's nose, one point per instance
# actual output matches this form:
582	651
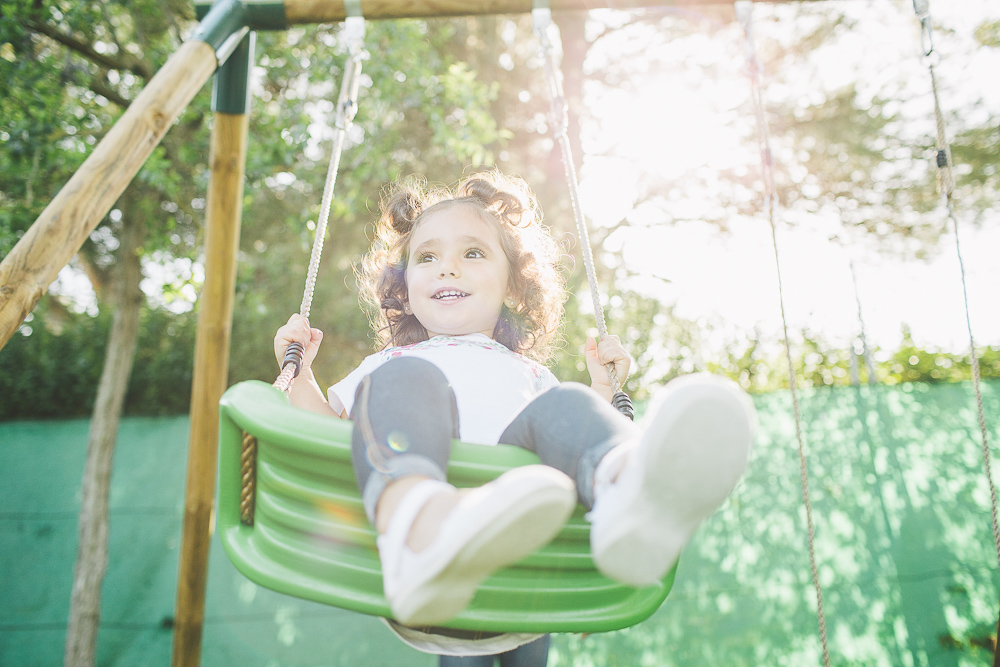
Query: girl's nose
449	268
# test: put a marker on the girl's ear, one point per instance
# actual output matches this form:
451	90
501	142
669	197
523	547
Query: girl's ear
511	299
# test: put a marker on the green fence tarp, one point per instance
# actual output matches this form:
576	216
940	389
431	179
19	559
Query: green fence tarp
903	540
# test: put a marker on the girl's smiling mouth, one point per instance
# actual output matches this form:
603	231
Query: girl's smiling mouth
449	294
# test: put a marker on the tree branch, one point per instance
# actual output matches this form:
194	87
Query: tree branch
86	50
98	86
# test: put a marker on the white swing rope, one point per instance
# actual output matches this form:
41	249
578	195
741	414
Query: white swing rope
541	15
865	350
744	12
946	188
347	106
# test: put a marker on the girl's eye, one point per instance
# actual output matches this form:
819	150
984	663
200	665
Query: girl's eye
424	257
475	253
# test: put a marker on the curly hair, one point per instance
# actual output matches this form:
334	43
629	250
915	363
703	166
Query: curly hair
536	283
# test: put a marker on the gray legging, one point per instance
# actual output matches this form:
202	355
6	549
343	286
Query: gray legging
405	417
532	654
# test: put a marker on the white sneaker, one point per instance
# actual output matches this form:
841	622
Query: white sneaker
492	527
695	446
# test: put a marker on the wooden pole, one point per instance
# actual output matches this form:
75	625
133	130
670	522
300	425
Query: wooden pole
211	368
227	160
328	11
48	245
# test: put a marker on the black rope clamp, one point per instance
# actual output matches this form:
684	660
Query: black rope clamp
623	404
293	356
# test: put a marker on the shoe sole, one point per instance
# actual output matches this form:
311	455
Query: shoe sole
700	432
538	503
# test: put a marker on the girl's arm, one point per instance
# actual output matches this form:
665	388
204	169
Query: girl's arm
305	391
598	355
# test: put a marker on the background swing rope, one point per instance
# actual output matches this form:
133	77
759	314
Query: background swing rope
770	198
946	187
865	351
542	17
347	106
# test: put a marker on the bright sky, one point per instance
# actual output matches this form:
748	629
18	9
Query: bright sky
676	122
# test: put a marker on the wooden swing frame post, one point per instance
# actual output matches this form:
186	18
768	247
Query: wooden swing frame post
211	361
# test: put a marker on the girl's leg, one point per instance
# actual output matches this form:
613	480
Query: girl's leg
571	428
400	431
437	544
466	661
532	654
648	490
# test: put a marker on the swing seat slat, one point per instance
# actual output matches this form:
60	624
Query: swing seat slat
310	537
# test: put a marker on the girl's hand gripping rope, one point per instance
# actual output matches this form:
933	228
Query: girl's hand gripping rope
598	356
297	330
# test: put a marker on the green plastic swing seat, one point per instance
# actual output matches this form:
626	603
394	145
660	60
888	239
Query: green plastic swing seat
310	538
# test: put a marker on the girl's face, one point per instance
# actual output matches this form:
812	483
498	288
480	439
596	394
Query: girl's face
457	274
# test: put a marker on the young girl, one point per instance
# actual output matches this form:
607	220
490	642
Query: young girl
468	297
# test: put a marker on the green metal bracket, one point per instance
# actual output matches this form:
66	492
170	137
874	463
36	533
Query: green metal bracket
225	18
231	93
257	14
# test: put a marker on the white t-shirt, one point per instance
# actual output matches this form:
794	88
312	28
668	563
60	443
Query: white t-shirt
491	383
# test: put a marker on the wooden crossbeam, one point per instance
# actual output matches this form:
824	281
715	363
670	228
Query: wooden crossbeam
265	14
324	11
